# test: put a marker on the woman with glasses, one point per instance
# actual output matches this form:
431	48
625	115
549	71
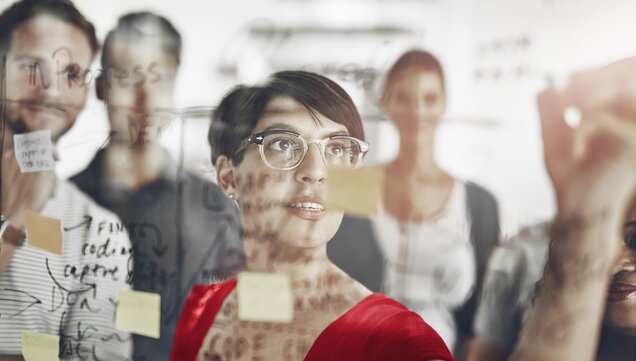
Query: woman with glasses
436	232
272	145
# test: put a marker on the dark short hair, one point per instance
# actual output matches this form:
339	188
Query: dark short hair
25	10
144	24
240	109
415	59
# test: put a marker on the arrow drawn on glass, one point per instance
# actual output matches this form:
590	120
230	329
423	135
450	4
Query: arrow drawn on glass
28	303
87	222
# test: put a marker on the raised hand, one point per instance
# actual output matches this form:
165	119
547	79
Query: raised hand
23	191
593	171
593	166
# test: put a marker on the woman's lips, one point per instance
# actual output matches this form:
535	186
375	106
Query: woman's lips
621	291
306	207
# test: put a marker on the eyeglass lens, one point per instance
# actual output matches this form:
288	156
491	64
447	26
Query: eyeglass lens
286	151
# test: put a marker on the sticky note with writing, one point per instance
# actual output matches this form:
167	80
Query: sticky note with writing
39	346
138	312
43	232
265	297
356	191
34	151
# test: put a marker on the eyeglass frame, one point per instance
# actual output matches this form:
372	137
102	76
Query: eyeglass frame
258	138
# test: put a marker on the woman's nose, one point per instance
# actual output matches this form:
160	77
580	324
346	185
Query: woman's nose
312	169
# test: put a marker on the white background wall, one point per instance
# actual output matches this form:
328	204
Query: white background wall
497	54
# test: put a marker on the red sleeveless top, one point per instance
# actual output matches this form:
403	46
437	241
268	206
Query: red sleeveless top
377	328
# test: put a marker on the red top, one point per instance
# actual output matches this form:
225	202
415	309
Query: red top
377	328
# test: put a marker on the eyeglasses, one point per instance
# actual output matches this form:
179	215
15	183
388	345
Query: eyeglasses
285	150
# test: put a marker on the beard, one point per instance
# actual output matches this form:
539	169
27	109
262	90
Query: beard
19	125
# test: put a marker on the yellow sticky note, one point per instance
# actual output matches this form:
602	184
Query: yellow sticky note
43	232
138	312
39	346
356	191
265	297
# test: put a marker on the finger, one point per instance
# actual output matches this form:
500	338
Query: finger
610	97
622	69
579	86
623	104
582	136
56	156
557	135
612	140
598	89
10	166
7	140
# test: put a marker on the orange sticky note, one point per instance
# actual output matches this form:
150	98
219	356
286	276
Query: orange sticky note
357	192
39	346
138	312
43	232
265	297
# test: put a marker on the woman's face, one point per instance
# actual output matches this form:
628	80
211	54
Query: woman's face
620	312
414	100
287	206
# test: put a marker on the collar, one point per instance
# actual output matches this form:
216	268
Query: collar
114	191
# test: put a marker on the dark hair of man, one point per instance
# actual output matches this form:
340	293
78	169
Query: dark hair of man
415	59
24	10
141	26
239	111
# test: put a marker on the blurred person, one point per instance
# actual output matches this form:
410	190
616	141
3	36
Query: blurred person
272	145
46	47
510	282
585	305
180	238
513	271
436	232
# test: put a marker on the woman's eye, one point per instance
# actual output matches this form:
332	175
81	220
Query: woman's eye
281	144
337	150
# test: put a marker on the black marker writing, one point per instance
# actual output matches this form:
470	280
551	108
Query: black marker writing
26	304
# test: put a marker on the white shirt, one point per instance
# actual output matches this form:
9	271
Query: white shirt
72	295
430	265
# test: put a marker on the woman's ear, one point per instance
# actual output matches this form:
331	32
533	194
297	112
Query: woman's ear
225	176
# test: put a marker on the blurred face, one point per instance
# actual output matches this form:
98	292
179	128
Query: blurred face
620	312
45	69
140	92
287	206
414	100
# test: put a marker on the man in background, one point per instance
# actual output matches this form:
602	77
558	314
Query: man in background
66	290
180	238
